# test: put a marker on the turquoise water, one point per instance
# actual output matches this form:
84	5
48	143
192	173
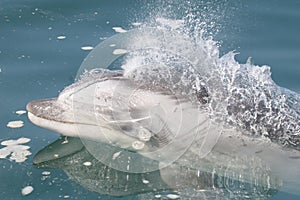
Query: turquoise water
35	64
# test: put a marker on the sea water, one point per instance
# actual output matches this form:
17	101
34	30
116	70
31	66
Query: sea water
42	44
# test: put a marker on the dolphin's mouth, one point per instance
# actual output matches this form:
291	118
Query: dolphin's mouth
48	114
47	109
52	110
54	115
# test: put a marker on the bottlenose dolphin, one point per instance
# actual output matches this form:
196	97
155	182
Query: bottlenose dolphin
175	101
166	126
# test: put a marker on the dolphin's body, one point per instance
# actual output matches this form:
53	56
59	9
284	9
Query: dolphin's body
160	124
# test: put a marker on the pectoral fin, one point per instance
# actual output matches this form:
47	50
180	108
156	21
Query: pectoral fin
60	148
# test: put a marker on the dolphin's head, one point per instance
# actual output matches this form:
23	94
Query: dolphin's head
84	109
108	108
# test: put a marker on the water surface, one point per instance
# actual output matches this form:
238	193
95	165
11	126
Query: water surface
36	64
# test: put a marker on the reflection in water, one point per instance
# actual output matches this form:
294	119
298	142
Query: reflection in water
174	181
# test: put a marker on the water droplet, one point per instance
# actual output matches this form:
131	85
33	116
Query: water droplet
138	145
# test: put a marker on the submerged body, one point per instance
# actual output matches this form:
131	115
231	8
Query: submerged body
172	181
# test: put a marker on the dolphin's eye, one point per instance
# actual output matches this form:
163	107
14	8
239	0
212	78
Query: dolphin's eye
126	128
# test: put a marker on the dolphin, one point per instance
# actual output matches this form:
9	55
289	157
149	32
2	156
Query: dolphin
152	122
168	126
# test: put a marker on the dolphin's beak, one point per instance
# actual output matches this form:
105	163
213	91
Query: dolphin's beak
66	120
48	113
46	109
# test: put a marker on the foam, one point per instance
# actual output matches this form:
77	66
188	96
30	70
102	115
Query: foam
15	124
15	149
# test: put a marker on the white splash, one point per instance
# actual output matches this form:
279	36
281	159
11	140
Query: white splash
136	23
87	48
61	37
46	173
138	145
117	154
87	164
119	29
145	181
119	51
173	24
56	155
